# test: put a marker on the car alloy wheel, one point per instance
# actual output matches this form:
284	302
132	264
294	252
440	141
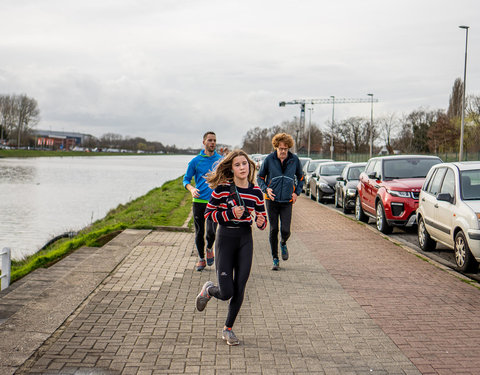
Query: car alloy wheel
359	214
344	205
381	220
424	240
337	200
463	257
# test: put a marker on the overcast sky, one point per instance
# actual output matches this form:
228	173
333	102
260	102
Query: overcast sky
169	70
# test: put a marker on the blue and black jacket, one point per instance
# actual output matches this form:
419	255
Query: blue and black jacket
198	168
283	178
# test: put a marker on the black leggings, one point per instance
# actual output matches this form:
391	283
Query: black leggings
199	221
276	211
233	261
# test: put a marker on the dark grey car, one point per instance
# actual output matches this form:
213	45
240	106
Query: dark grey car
308	169
346	186
323	180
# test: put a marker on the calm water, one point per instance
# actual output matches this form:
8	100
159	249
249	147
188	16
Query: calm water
44	197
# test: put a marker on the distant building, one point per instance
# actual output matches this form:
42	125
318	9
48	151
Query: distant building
55	140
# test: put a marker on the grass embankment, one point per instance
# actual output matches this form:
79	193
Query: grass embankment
42	153
168	205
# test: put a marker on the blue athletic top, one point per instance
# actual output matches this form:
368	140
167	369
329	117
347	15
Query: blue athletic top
198	168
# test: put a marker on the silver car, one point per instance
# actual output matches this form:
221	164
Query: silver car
449	211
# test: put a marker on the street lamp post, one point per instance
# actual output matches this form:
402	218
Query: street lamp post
371	126
309	129
460	154
333	124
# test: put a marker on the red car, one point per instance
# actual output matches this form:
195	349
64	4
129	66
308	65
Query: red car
389	188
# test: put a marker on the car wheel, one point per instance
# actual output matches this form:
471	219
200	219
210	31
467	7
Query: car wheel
319	197
311	196
359	214
463	257
337	204
381	220
344	205
424	240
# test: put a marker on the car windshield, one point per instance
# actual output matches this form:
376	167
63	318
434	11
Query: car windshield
312	165
470	184
303	161
332	169
407	168
354	173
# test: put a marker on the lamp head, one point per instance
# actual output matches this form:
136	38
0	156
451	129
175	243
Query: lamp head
281	104
464	27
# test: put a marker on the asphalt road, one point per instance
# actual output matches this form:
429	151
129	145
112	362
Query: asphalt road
408	236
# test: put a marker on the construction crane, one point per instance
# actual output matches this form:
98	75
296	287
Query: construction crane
332	100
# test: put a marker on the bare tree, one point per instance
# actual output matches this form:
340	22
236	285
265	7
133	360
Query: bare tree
473	109
27	115
456	98
388	127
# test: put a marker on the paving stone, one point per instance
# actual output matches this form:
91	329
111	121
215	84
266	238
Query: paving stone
348	301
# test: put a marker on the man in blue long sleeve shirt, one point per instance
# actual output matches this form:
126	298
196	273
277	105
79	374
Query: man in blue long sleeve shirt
197	169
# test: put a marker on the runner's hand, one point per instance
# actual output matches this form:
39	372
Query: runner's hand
195	192
294	198
260	221
270	194
238	211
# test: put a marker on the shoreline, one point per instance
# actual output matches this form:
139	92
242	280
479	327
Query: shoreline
166	206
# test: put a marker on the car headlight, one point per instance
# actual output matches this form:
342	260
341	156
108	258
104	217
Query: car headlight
351	192
323	185
400	194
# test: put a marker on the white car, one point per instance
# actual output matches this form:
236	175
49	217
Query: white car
449	211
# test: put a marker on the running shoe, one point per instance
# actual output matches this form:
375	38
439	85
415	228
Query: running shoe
203	297
210	257
201	264
229	337
283	246
276	264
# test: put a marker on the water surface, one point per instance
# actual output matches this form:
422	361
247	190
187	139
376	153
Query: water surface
44	197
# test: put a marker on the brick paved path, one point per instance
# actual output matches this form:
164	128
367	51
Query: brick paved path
347	302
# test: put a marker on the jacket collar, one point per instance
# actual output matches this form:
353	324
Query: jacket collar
289	156
203	154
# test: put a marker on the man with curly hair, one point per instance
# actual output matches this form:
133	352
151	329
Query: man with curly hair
281	179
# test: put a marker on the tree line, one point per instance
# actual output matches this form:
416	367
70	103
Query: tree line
420	131
117	141
18	115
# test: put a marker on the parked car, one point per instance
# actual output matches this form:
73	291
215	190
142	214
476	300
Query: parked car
323	179
308	169
449	211
304	160
258	159
389	188
346	186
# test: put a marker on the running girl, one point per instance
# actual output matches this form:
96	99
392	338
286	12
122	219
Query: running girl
234	204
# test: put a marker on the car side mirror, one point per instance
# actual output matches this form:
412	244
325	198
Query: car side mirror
372	175
445	197
314	174
340	178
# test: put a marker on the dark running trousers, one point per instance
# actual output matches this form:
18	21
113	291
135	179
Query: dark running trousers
278	212
233	261
199	221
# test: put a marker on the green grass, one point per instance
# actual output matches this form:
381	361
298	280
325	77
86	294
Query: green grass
168	205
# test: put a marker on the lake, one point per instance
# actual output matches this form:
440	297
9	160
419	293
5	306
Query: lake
41	198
